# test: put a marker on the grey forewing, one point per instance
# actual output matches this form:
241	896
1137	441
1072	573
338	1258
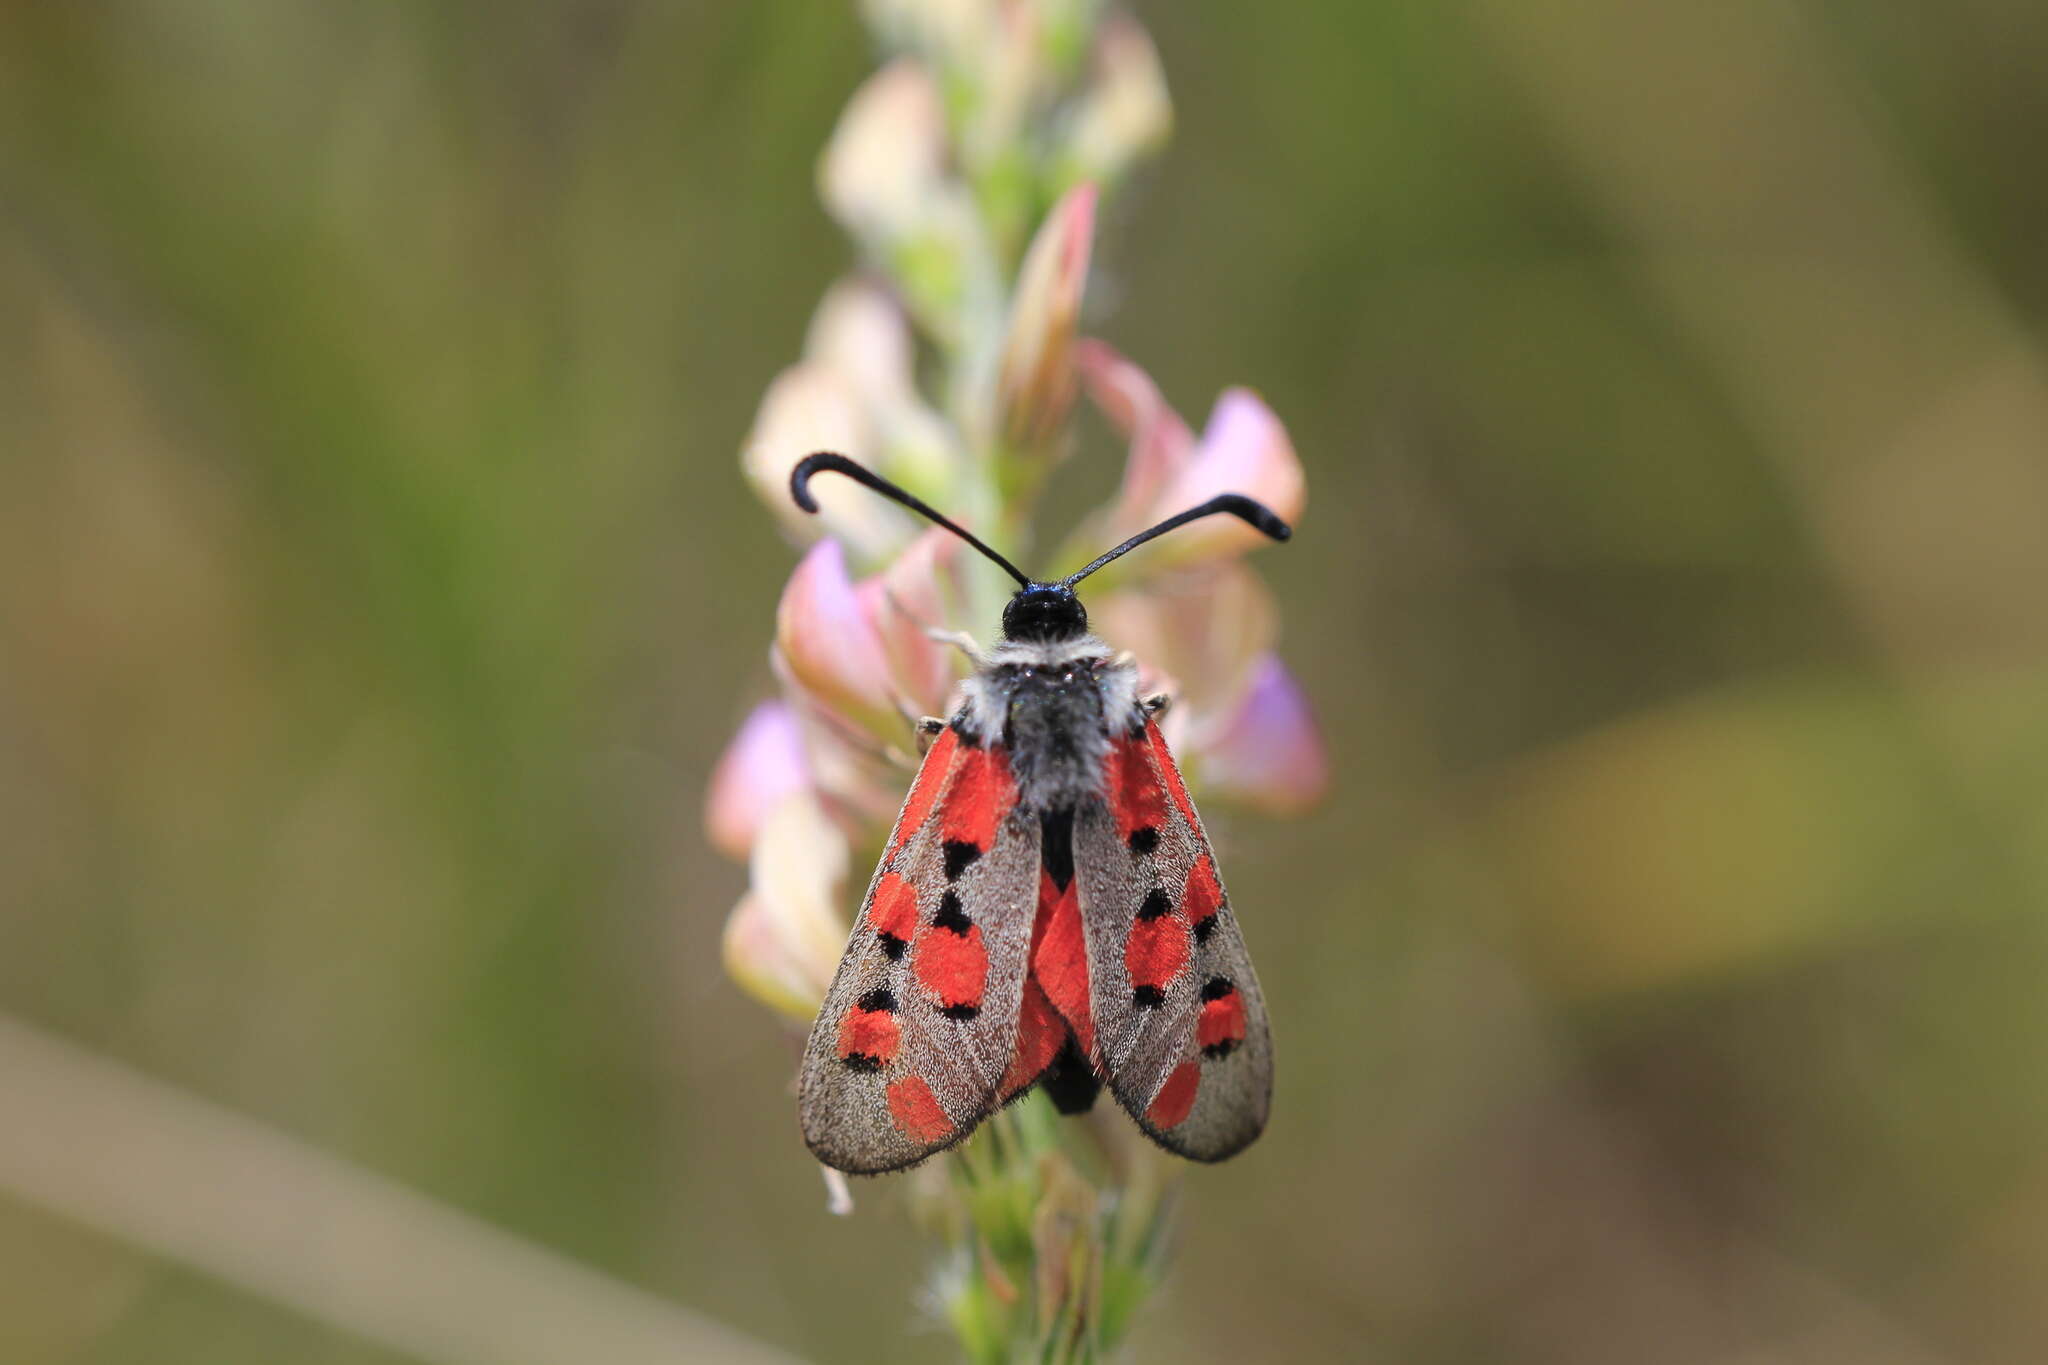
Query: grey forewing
1142	1045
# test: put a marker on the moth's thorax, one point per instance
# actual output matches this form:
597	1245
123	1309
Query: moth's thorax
1055	706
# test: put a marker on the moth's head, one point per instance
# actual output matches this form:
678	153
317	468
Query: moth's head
1045	613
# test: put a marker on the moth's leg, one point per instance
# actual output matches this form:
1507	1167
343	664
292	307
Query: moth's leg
959	639
923	729
1156	704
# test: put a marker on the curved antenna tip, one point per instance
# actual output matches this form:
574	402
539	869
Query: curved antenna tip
800	476
1260	516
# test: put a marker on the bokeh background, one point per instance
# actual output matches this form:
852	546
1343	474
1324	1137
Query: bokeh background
1666	979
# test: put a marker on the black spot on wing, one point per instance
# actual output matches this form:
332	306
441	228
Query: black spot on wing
959	855
892	946
862	1062
880	999
1222	1047
1204	927
1148	997
951	917
1144	839
961	1012
1216	987
1154	905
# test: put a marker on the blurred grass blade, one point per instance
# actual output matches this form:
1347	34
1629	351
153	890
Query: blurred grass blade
92	1140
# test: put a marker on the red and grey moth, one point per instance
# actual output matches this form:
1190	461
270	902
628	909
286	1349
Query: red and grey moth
1047	910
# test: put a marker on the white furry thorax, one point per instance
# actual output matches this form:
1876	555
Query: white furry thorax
1058	706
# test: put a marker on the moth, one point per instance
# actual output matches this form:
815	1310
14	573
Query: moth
1047	910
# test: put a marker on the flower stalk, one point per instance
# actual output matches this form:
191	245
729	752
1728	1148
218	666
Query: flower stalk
969	171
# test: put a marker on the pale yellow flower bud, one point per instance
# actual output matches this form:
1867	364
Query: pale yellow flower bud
886	159
1126	113
785	937
1036	379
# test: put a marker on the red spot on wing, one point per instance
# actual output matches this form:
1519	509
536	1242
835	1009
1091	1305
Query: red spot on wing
953	967
1168	770
1157	950
1136	798
894	910
1040	1031
1176	1099
915	1110
980	795
1222	1022
1059	959
870	1033
931	777
1202	896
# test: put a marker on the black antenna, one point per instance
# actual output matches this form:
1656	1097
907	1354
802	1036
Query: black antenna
826	460
1238	505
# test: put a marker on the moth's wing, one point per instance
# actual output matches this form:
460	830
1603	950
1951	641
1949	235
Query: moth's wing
918	1028
1180	1026
1041	1025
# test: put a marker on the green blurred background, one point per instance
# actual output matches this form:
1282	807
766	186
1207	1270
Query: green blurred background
1663	981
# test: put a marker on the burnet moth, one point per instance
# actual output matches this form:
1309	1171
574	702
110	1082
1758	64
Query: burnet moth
1047	910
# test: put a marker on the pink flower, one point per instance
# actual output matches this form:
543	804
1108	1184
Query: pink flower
1267	753
1244	449
1035	377
856	776
828	642
1205	635
763	764
862	652
1160	441
1205	628
913	596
